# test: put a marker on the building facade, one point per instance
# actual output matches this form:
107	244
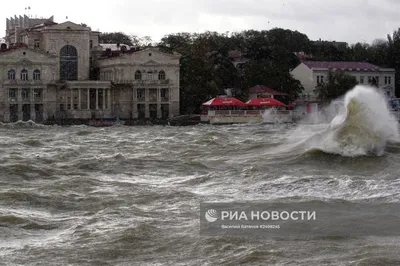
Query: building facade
60	71
311	73
148	82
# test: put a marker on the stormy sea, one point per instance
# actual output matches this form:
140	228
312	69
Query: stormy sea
124	195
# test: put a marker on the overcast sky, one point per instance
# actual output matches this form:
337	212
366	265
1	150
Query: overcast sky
340	20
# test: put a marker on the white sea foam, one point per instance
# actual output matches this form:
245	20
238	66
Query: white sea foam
363	127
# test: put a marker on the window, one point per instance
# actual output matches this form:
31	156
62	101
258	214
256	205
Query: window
37	93
320	79
369	79
12	93
11	74
163	93
138	75
24	74
91	44
62	107
361	79
25	94
68	63
149	76
75	106
387	80
36	43
36	74
140	94
377	79
161	75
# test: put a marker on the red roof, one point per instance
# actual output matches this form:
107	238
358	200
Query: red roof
224	101
264	102
360	66
265	89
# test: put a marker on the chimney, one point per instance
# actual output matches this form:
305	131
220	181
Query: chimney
16	34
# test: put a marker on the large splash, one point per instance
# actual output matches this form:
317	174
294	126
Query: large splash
364	126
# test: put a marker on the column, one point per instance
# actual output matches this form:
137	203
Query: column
66	99
88	99
79	98
158	110
20	111
72	98
146	110
109	98
7	113
104	98
134	104
97	99
33	111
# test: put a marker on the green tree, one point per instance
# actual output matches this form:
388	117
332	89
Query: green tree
337	84
116	37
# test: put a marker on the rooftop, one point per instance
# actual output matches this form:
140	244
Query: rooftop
114	46
265	89
357	66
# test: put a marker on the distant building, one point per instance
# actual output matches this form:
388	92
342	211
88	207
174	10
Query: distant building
51	70
238	58
261	91
338	45
115	46
311	73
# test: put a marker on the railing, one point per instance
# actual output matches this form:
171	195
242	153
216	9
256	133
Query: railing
247	112
145	82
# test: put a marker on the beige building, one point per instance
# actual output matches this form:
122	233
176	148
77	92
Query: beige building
54	71
147	80
310	73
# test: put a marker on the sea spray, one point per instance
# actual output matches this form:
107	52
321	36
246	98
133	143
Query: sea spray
364	127
360	125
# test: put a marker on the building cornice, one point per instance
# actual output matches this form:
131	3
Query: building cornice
137	65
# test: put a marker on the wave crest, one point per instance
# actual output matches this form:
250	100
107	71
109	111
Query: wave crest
364	126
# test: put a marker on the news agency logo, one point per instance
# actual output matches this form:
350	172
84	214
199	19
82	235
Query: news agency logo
211	215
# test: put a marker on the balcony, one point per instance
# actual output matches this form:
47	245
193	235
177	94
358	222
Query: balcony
150	82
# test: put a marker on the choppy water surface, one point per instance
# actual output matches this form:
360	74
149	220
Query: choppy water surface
130	195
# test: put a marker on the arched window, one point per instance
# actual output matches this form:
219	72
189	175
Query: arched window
68	63
138	75
24	74
161	75
11	74
36	74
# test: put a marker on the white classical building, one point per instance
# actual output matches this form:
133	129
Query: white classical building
52	71
310	73
148	82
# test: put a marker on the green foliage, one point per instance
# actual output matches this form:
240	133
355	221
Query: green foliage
337	85
207	69
115	37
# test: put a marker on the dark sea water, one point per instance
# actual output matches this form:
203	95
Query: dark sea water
130	195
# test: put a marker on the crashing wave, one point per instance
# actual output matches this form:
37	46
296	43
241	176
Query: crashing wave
364	127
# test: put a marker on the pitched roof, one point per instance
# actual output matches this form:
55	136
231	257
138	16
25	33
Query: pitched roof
224	101
360	66
265	89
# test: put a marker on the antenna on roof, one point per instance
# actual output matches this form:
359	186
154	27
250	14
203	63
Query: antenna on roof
66	17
